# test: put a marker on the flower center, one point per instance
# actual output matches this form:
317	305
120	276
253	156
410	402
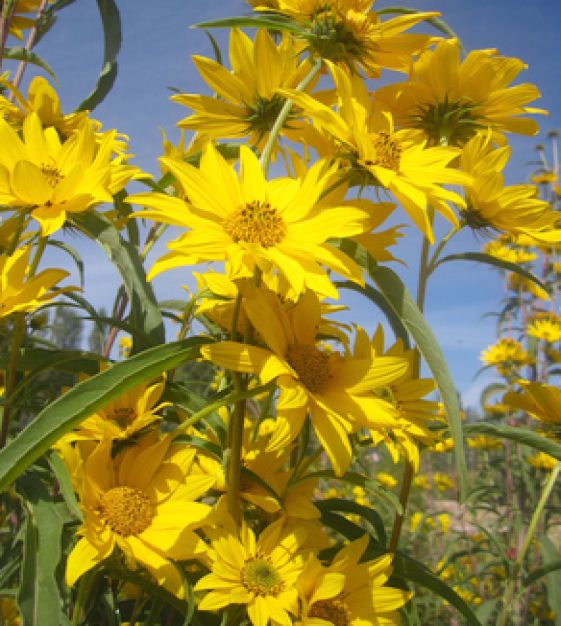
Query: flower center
311	365
388	151
127	510
123	416
263	113
334	611
256	222
451	122
52	174
260	577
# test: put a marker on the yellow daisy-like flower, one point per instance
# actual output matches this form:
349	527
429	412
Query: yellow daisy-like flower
350	593
421	482
50	178
484	442
414	412
143	502
19	22
22	293
547	329
350	33
398	160
254	223
541	460
134	410
507	355
516	209
522	285
442	481
450	99
334	388
247	103
260	572
541	401
502	251
387	480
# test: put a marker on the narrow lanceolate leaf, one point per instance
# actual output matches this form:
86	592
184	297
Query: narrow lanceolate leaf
521	435
145	313
111	22
553	578
488	259
389	283
269	21
39	597
21	54
86	398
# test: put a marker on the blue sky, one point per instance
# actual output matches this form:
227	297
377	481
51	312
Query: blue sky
157	45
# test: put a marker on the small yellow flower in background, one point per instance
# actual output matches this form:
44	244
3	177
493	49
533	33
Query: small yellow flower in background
251	223
386	479
20	22
444	520
247	103
350	33
485	442
520	284
450	99
260	572
359	494
415	521
500	250
141	502
544	177
125	345
421	482
443	446
547	329
442	481
348	592
507	355
9	613
22	293
541	460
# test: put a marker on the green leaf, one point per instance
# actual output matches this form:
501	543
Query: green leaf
145	314
538	573
349	506
380	301
39	597
515	433
408	568
111	22
269	21
21	54
403	304
488	259
552	578
74	254
87	397
62	476
486	610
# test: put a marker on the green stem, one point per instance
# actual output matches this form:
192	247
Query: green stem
19	332
5	21
510	588
281	119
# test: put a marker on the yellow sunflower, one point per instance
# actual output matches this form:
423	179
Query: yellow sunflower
541	401
259	572
247	103
350	593
334	388
254	223
49	178
142	502
406	394
20	292
507	355
350	32
450	99
516	209
364	138
134	410
547	329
